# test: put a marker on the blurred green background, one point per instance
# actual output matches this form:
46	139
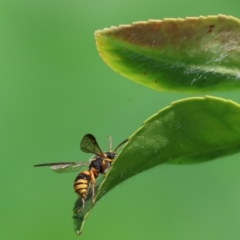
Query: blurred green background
55	88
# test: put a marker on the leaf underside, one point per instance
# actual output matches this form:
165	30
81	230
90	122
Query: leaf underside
188	131
188	55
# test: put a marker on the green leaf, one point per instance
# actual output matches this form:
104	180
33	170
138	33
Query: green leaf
188	131
189	55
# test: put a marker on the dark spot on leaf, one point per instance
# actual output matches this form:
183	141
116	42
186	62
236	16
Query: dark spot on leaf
144	73
211	28
155	81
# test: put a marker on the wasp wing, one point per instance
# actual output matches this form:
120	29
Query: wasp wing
89	145
64	167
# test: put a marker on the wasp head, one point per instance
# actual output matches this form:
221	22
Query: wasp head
111	155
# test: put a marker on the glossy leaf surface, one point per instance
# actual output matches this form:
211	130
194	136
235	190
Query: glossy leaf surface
188	131
189	55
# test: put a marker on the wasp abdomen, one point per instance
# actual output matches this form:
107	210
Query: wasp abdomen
81	183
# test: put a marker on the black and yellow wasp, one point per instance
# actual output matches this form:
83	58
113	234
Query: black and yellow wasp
98	164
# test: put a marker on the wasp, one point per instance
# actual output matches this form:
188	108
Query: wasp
98	164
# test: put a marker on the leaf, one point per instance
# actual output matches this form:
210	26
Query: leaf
188	131
189	55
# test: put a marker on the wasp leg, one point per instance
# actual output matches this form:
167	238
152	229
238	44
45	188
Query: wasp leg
92	170
108	160
83	204
93	193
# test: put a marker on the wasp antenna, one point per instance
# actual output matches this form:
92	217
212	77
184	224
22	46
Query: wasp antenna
119	145
110	143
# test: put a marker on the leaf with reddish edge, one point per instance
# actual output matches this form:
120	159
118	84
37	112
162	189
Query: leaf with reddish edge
195	54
